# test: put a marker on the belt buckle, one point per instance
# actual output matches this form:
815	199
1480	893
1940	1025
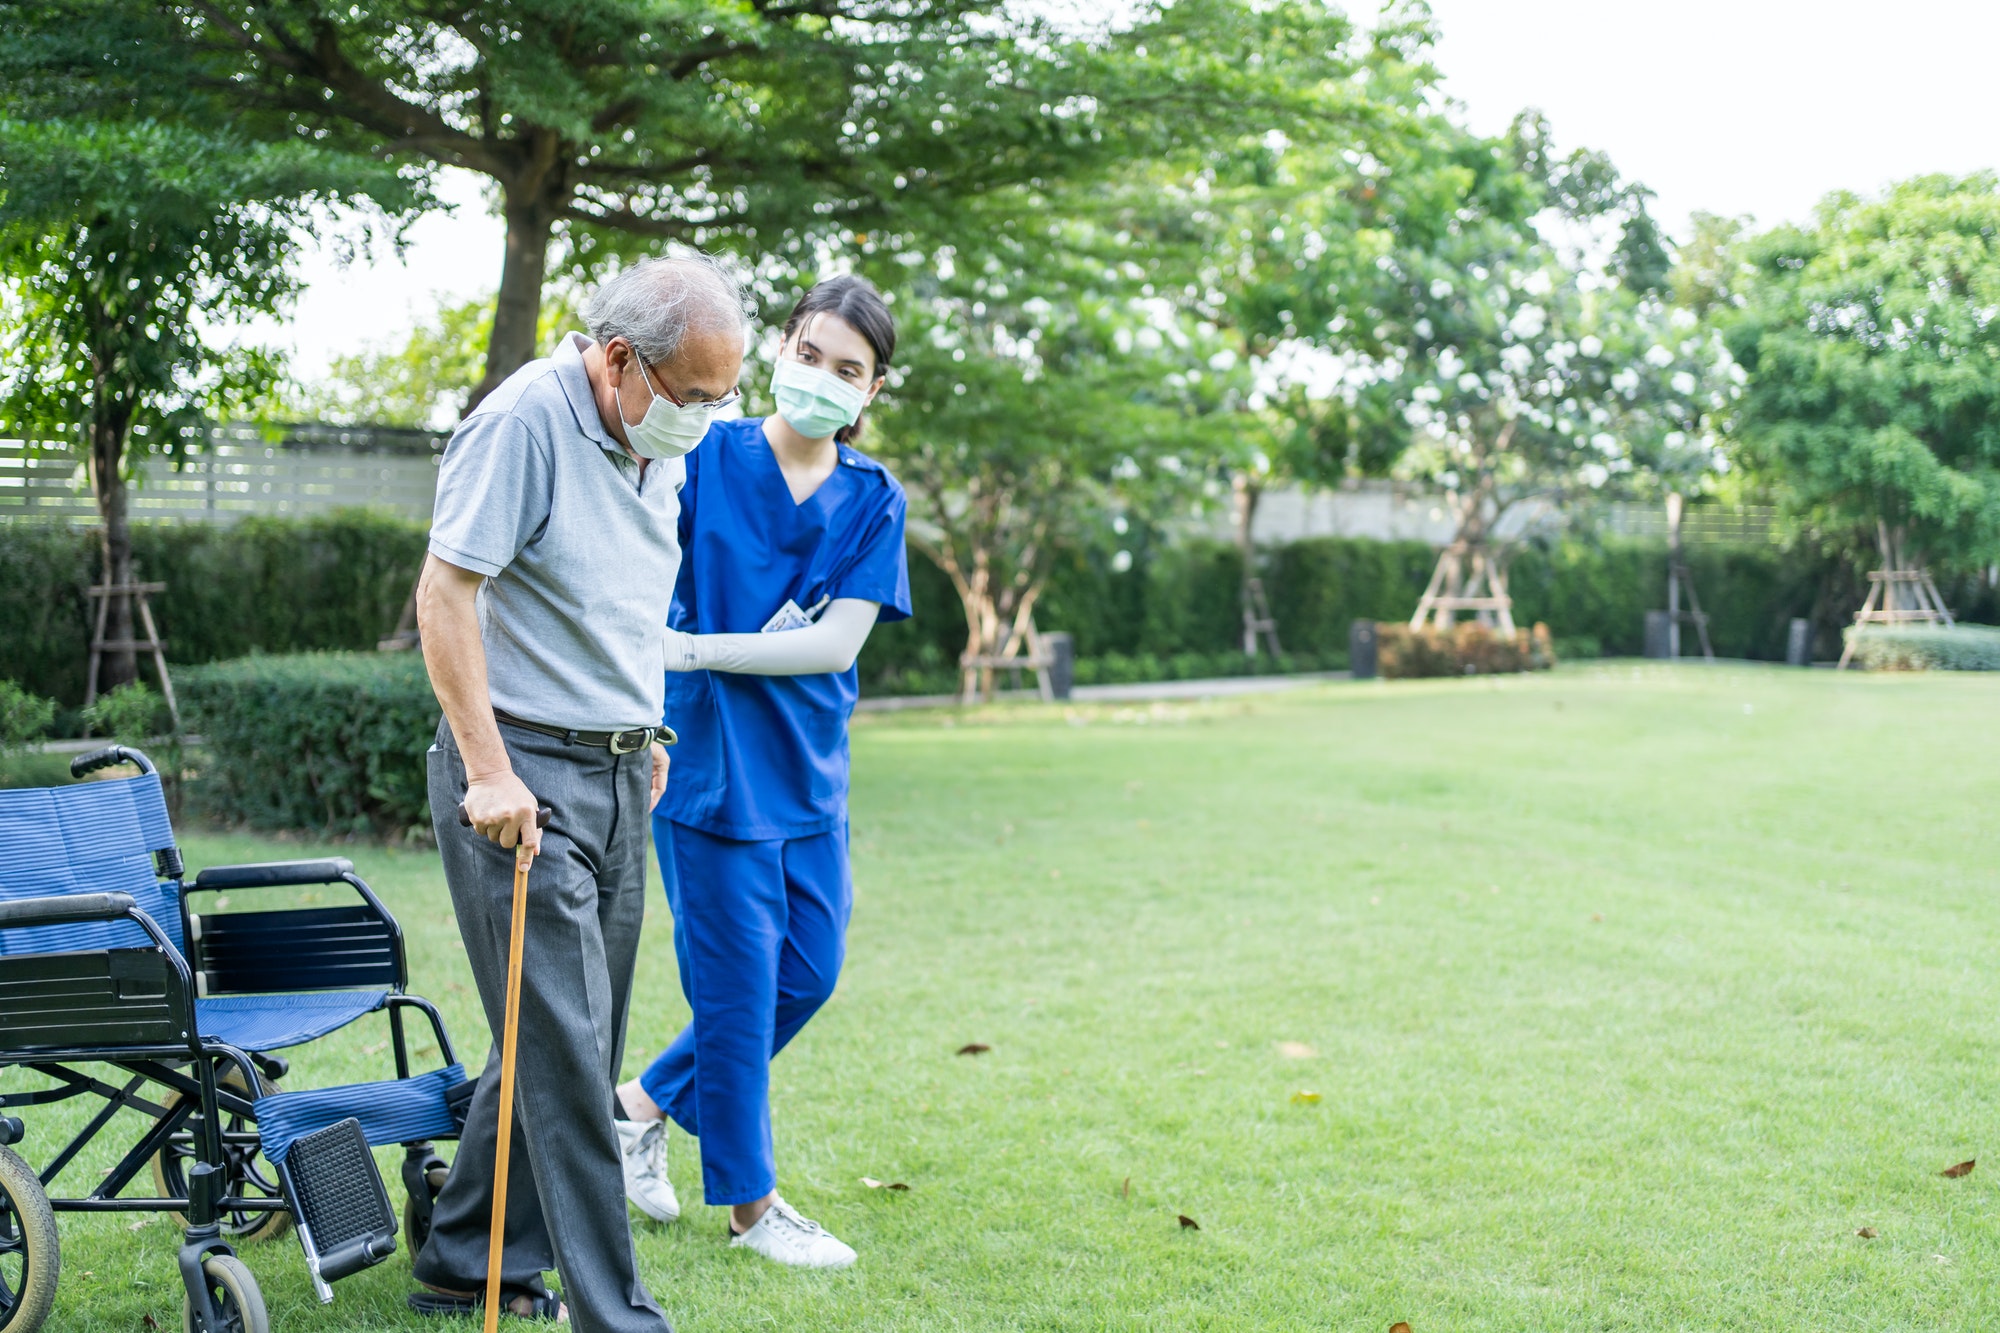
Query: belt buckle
617	738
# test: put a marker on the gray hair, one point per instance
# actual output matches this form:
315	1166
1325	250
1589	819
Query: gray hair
655	303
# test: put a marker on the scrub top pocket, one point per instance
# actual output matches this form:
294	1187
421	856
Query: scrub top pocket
826	731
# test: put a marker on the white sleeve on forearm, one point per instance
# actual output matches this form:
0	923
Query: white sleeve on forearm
830	643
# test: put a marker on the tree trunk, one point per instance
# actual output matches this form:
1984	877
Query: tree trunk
120	665
1244	494
532	201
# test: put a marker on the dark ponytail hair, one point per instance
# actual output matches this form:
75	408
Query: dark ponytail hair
856	301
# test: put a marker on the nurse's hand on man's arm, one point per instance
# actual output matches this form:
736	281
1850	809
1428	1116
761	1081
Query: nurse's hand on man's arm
659	785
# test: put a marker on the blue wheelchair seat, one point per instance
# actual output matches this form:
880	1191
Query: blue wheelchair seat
273	1022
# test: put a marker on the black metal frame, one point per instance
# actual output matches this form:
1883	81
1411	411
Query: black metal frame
191	1065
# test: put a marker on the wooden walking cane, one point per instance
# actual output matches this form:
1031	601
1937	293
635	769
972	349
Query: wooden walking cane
496	1236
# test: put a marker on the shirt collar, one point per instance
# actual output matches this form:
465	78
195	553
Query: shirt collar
575	380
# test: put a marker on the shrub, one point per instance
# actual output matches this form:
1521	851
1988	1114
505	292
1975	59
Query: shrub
23	716
133	712
1469	649
328	742
274	585
1927	648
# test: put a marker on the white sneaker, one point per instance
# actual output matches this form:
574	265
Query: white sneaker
784	1237
643	1146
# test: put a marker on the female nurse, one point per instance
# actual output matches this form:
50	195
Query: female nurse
793	544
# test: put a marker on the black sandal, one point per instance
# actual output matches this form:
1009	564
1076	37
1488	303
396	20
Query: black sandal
545	1305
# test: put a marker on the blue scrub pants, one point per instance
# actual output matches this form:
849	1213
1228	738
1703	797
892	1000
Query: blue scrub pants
760	931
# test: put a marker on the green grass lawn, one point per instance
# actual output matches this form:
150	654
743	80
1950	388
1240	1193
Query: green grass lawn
1628	995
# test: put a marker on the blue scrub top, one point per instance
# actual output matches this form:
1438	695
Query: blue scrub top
765	757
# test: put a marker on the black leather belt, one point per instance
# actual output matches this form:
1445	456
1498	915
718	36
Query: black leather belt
618	742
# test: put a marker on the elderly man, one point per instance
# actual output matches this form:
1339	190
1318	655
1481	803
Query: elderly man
543	607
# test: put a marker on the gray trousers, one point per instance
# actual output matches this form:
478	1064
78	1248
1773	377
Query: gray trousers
586	902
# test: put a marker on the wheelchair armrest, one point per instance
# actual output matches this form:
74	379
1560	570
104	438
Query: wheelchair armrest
275	874
62	909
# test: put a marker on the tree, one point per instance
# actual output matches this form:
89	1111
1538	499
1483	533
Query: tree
1872	354
1067	354
1029	399
424	383
125	251
773	126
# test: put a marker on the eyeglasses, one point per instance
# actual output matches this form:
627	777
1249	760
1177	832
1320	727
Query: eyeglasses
710	406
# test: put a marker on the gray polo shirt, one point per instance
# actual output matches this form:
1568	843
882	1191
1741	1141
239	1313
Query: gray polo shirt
580	551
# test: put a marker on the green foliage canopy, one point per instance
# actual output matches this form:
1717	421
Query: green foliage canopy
1871	342
774	126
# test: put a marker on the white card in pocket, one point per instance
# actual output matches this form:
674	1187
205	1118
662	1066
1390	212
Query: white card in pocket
791	616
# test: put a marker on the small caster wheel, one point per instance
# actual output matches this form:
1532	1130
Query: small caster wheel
417	1220
30	1258
238	1302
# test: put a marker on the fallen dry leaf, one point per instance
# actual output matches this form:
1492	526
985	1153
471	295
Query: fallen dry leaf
1303	1098
1962	1169
875	1184
1399	1326
148	1321
974	1048
1296	1050
1128	1187
1597	916
1867	1233
1188	1223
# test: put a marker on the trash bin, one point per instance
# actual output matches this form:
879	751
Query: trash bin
1062	662
1659	640
1798	643
1361	649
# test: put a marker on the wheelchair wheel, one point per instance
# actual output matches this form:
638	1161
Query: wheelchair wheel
247	1175
416	1229
237	1299
30	1258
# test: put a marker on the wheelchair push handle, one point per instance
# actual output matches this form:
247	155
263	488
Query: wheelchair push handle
111	755
542	816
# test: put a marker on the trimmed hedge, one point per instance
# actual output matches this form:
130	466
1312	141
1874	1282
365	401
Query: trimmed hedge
329	742
1466	649
1178	602
339	581
1927	648
264	584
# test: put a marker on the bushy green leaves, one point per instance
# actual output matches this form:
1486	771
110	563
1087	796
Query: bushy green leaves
331	742
1871	340
279	585
24	716
1927	647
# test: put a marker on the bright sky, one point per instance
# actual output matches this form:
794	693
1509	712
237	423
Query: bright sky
1721	106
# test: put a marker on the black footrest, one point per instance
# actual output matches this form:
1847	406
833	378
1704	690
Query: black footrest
345	1223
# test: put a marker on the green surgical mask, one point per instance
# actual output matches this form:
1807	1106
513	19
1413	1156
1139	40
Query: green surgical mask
812	402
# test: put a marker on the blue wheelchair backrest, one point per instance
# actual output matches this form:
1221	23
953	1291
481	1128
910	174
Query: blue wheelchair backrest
94	837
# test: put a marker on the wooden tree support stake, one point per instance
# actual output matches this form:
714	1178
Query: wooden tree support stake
153	643
1897	597
1467	578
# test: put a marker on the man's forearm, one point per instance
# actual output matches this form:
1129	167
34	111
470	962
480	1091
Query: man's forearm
448	621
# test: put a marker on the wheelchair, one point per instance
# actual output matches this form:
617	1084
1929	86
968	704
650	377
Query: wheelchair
102	964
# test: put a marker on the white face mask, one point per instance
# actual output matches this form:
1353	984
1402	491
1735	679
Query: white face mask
666	430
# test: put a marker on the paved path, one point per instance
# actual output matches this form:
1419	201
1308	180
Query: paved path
1144	692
